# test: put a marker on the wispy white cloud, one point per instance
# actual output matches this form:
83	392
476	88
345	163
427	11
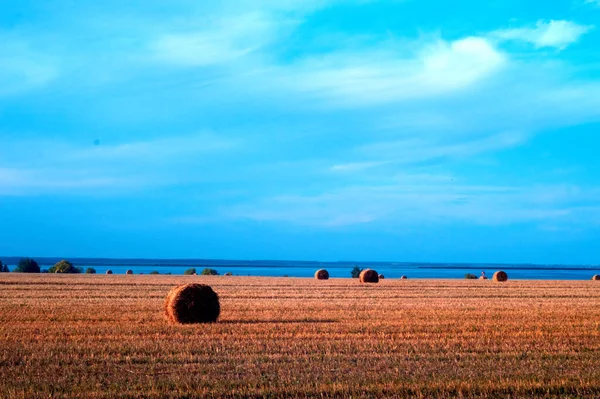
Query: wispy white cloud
391	73
218	41
36	181
352	167
418	150
427	201
119	168
22	67
176	147
421	149
554	33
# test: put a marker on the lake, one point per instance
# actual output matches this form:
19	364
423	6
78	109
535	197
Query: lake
335	269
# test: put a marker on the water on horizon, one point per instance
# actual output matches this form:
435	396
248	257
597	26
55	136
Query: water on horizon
336	269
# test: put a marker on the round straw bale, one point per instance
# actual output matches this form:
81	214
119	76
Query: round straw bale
368	276
192	303
322	274
500	276
483	278
129	272
403	278
109	272
381	276
596	277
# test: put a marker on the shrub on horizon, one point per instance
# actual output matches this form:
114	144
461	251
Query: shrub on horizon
470	276
154	272
3	268
64	266
27	265
209	272
90	270
356	272
190	272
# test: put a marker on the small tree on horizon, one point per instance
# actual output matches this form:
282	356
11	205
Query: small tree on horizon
90	270
154	272
27	265
64	266
189	272
3	268
356	271
209	272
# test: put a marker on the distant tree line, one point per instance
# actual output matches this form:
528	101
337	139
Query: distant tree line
206	272
29	265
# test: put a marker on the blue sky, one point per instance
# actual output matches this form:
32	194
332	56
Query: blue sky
343	130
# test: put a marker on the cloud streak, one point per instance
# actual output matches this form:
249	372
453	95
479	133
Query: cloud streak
62	167
424	201
392	73
22	67
554	33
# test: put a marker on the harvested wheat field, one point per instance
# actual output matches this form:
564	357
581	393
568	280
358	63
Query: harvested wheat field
103	336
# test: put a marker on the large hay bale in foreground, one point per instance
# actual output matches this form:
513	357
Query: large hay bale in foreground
596	277
369	276
109	272
322	274
129	272
500	276
192	303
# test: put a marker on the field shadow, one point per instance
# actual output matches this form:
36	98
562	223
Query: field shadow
307	321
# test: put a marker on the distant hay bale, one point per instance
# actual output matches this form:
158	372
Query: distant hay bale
403	278
381	276
129	272
596	277
500	276
322	274
483	278
369	276
192	303
109	272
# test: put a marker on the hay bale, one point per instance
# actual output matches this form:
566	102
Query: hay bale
483	278
322	274
596	277
369	276
381	276
192	303
129	272
109	272
403	278
500	276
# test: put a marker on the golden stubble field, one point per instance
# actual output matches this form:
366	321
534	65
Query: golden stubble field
98	336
